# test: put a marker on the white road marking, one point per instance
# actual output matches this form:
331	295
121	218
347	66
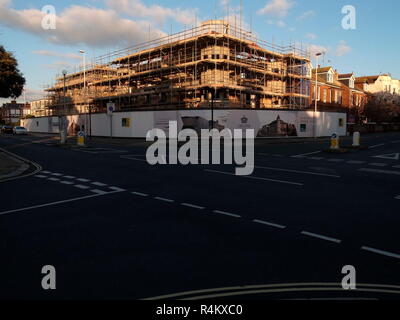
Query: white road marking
79	186
396	141
54	179
117	189
385	253
66	182
99	184
46	171
192	206
140	194
256	178
52	203
316	158
306	154
355	162
56	174
397	167
336	160
83	180
390	156
397	198
227	214
379	164
314	235
69	177
97	191
164	199
380	171
131	158
377	145
40	176
269	224
299	171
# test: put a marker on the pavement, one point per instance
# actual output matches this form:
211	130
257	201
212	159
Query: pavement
11	166
116	227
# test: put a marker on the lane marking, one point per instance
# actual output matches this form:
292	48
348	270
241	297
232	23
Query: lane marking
397	167
316	158
227	214
52	203
380	171
269	224
140	194
54	179
336	160
83	180
319	236
44	171
381	252
117	189
97	191
397	198
377	164
377	145
192	206
99	184
40	176
66	182
299	171
390	156
164	199
79	186
56	174
355	162
256	178
134	159
306	154
69	177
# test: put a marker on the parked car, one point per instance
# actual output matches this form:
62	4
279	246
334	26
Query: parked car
20	130
7	129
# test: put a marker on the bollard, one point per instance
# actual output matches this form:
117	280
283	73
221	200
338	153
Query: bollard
356	139
81	139
334	142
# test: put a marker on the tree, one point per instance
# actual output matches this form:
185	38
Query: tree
11	80
382	107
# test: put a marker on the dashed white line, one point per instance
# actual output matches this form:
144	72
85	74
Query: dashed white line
380	171
397	198
44	171
66	182
299	171
256	178
83	180
54	179
397	167
377	145
227	214
97	191
319	236
79	186
99	184
377	164
192	206
316	158
164	199
140	194
117	189
69	177
40	176
56	174
269	224
385	253
306	154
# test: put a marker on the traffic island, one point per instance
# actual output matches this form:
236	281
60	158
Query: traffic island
11	167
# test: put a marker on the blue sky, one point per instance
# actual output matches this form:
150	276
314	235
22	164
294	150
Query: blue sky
100	26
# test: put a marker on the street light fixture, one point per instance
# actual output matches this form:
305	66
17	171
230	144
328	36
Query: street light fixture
316	94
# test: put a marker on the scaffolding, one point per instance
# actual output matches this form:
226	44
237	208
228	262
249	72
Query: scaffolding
215	63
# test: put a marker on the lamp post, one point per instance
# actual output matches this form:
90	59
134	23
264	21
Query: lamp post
61	121
316	94
84	84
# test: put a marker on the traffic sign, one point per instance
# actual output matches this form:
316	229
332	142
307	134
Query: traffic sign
110	108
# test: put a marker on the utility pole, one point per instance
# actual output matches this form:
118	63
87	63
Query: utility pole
61	120
316	94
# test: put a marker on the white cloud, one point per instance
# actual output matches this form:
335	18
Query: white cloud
311	36
281	24
80	25
57	54
314	49
342	49
277	8
306	15
156	13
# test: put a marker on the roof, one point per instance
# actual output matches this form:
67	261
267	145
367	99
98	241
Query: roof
335	83
346	75
323	70
368	79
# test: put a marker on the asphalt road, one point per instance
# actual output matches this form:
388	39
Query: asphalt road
115	227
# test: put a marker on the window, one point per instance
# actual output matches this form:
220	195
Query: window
206	56
352	83
341	122
330	77
336	96
303	127
126	122
325	94
319	94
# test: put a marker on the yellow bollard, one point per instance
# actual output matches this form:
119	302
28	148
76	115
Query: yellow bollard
81	139
334	142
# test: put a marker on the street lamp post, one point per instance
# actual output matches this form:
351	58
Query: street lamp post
61	121
84	85
316	94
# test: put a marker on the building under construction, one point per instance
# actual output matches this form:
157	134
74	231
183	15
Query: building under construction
216	64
